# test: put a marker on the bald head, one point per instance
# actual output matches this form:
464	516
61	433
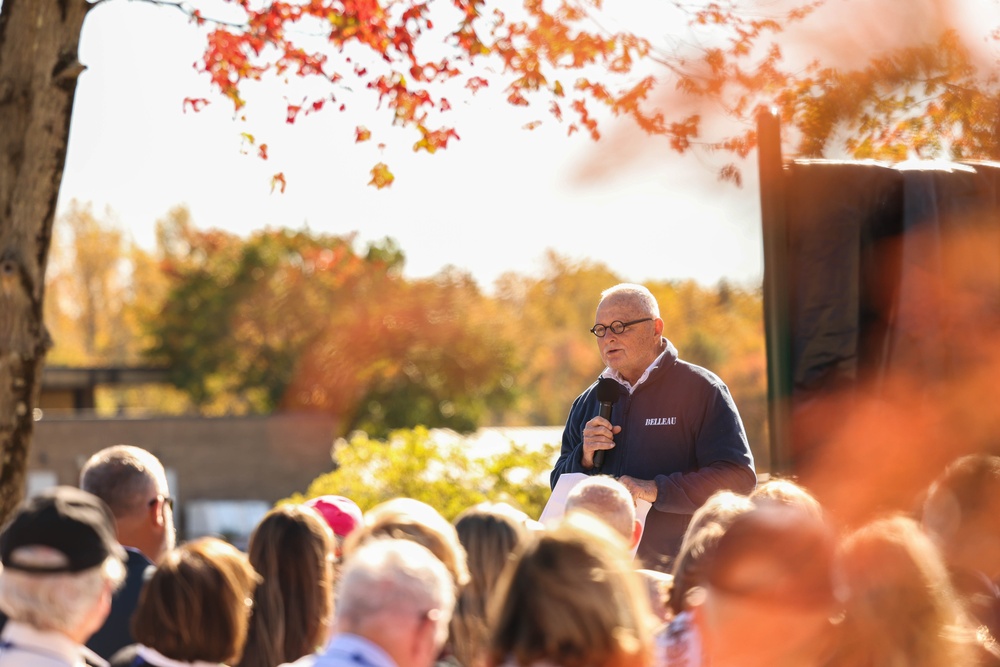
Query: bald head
608	500
637	295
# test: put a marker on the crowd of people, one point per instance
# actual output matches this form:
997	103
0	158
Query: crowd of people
760	579
722	570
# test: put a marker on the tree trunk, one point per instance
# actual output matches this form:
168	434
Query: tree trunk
38	75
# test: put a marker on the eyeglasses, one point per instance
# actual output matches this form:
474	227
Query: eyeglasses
616	327
167	500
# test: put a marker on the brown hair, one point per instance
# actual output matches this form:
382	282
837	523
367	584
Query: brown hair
901	607
490	533
707	526
573	599
293	550
196	606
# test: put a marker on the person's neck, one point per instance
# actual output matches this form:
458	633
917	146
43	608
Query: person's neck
633	377
630	379
92	621
139	538
79	635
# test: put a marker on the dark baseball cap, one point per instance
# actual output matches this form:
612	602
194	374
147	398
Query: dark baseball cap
69	520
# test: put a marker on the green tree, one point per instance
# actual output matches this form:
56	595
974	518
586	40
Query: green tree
446	476
430	352
240	312
298	321
553	312
101	289
930	96
89	296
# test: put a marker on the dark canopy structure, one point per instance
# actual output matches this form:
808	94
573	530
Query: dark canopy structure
874	273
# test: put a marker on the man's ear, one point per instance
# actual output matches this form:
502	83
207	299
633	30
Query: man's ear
156	512
658	326
423	647
636	534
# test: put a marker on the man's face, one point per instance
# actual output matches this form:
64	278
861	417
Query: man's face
169	537
633	350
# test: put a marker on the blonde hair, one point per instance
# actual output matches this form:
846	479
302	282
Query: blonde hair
292	548
571	598
409	519
787	492
901	607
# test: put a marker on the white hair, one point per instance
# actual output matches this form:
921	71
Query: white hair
639	294
392	575
607	499
55	602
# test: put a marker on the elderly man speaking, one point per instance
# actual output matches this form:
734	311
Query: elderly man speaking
674	436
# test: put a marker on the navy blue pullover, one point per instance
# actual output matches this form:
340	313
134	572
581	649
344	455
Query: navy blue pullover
680	428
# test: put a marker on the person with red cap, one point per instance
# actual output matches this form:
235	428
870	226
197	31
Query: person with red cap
342	515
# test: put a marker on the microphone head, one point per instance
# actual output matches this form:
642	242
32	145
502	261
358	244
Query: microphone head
607	390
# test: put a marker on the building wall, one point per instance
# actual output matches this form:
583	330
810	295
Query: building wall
57	399
230	458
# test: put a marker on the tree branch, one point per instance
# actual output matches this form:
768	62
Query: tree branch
190	12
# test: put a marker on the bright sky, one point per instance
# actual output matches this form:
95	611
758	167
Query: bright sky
492	202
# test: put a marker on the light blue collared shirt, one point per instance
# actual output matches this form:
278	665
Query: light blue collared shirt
347	650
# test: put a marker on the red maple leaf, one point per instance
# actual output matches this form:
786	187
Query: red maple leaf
475	83
196	103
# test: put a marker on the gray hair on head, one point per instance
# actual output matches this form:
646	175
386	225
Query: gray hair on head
389	575
123	476
607	499
55	602
638	294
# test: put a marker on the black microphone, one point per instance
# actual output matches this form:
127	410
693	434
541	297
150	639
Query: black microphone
607	394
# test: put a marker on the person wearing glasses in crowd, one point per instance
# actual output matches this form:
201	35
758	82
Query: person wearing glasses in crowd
133	483
674	437
394	602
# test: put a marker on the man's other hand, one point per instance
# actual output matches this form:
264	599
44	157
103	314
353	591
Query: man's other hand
641	489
